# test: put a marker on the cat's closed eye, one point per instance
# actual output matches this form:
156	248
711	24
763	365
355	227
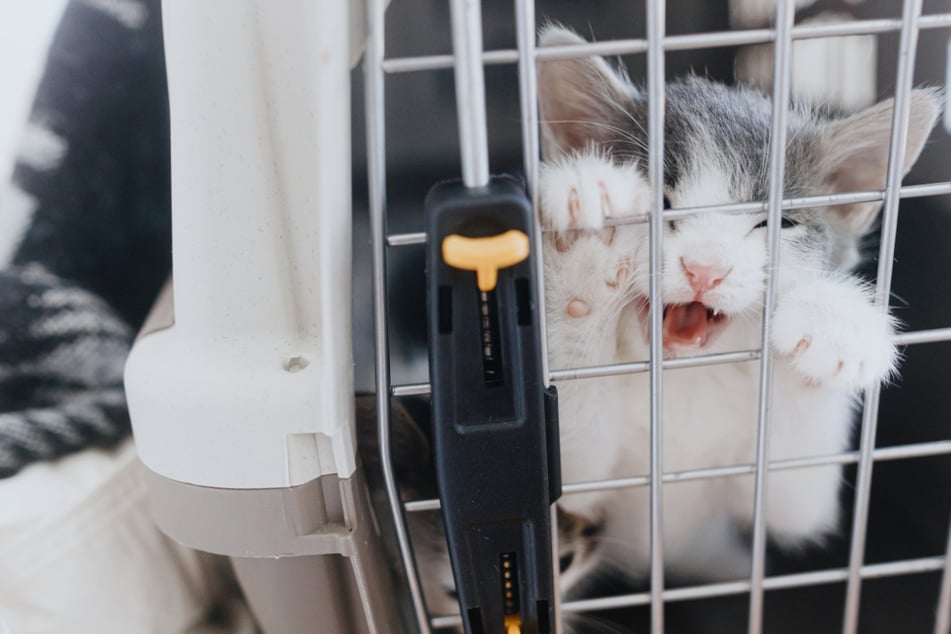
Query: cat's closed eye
668	205
787	223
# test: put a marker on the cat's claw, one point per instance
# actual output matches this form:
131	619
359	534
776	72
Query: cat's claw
589	264
833	336
583	193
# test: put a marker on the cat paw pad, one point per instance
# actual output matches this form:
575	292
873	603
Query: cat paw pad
578	308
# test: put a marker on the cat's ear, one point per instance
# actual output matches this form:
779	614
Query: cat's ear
582	102
855	154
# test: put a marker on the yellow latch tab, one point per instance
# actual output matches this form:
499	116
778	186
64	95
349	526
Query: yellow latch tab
513	624
486	255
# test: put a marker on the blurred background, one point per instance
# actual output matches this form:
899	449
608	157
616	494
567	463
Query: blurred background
25	32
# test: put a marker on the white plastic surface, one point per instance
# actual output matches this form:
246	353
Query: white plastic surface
80	553
252	386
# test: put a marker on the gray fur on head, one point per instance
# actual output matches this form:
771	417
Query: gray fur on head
586	104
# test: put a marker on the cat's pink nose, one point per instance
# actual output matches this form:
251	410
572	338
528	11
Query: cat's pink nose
703	277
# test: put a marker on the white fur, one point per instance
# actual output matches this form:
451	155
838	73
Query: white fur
596	273
829	340
831	333
592	187
757	13
709	413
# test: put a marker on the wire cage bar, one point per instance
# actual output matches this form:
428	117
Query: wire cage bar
466	19
376	171
656	69
782	63
526	55
673	43
528	108
907	51
943	613
882	454
935	335
690	593
825	200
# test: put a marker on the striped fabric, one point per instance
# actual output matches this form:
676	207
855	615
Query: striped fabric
85	233
62	351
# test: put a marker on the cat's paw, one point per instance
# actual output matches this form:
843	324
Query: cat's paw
833	335
583	192
588	266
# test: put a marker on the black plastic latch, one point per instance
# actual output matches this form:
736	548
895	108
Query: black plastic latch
495	431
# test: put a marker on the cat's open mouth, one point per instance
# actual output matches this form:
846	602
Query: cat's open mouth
686	326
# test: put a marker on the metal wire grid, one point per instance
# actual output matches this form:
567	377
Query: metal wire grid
376	66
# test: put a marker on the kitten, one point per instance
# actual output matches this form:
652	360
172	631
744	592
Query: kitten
829	340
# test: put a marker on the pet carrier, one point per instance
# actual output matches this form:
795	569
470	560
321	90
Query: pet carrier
242	393
241	400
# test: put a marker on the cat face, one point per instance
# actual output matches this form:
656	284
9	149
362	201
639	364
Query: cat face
716	152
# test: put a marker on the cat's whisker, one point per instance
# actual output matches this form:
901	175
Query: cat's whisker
898	297
625	135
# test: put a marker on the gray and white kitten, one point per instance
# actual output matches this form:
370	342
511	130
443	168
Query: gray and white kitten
829	339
